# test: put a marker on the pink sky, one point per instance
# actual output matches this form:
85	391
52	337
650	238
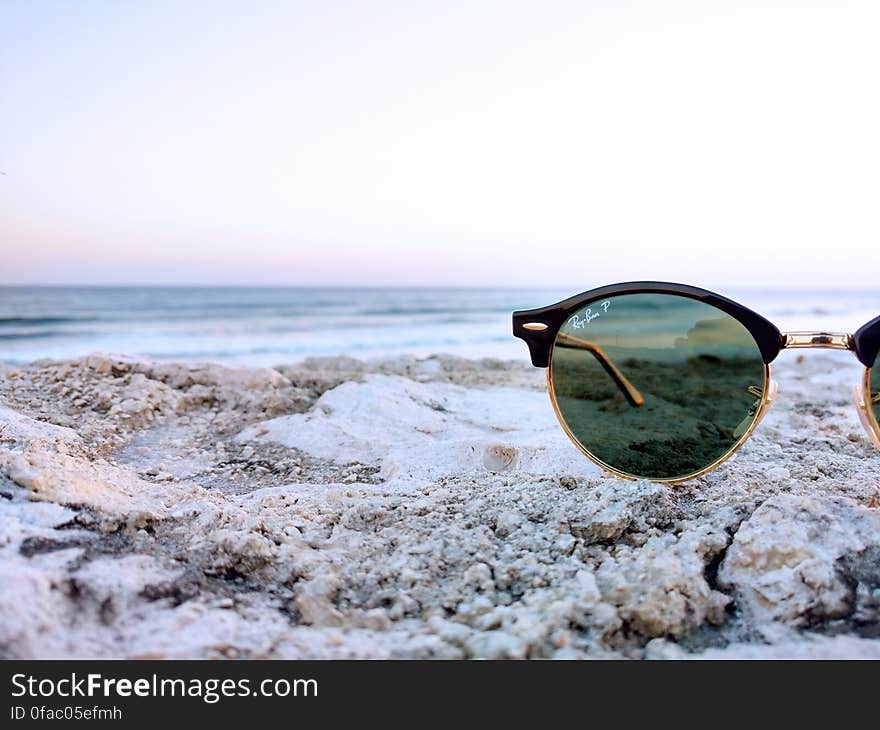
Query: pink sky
565	143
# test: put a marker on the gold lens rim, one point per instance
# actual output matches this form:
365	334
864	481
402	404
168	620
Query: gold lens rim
870	421
767	396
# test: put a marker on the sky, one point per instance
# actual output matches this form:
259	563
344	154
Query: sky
723	144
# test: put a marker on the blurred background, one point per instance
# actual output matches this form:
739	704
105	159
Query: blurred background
261	182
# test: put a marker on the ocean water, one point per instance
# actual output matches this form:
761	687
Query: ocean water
272	326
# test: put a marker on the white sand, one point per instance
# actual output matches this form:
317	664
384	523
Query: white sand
415	508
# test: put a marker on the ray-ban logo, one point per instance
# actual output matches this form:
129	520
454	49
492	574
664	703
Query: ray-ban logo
579	321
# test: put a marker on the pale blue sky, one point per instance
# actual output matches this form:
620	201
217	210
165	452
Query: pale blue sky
464	143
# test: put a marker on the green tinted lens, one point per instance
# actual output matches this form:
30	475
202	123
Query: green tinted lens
875	390
656	386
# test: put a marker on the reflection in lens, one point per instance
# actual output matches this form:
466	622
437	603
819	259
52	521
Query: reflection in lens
696	370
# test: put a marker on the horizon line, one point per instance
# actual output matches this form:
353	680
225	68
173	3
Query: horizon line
473	287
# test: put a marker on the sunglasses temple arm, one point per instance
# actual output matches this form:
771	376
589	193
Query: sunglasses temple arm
627	388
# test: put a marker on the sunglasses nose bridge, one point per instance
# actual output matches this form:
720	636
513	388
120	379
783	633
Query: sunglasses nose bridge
861	397
826	340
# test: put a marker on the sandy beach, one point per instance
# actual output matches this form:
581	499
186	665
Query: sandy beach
415	508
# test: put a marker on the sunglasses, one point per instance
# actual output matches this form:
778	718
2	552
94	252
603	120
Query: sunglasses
665	381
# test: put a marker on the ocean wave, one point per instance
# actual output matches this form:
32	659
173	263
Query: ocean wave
36	336
327	348
447	309
37	321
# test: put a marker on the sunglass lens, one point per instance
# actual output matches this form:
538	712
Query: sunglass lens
656	386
